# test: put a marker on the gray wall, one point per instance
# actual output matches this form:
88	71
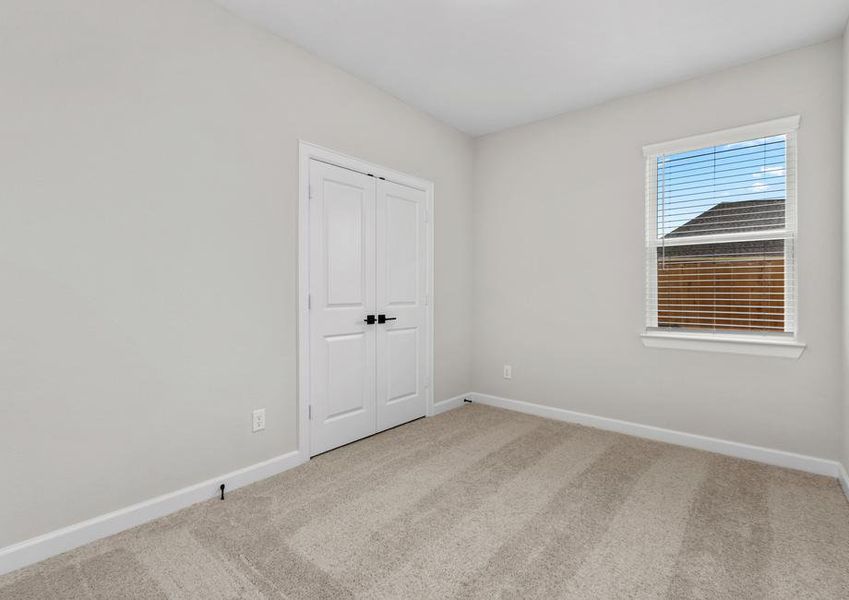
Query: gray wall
148	191
559	263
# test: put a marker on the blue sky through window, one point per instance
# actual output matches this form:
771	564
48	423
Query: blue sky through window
691	183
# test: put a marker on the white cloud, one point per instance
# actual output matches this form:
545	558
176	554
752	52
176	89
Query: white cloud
749	143
771	171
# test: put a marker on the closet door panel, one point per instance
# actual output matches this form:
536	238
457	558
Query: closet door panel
401	297
342	294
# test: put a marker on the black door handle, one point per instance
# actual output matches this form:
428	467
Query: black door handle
384	318
369	320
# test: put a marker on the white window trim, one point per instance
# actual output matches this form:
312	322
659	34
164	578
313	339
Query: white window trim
725	136
758	345
787	346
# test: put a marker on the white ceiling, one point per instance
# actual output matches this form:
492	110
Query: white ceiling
484	65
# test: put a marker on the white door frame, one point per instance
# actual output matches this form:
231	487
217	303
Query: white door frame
308	152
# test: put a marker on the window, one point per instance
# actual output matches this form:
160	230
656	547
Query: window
720	235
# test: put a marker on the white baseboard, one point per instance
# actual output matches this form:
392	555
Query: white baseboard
449	404
780	458
844	480
56	542
62	540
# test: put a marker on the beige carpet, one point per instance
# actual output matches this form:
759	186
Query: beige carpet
483	503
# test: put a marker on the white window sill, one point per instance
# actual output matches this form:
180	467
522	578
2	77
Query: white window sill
732	344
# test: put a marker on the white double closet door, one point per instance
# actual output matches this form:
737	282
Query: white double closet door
368	315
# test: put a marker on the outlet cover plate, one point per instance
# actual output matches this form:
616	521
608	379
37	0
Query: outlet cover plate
258	419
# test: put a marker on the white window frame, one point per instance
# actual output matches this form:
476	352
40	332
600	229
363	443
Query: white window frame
764	344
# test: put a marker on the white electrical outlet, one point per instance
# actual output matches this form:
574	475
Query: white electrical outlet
508	372
259	419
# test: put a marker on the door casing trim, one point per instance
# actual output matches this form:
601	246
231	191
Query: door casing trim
307	152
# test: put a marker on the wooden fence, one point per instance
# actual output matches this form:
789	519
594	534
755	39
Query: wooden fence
737	293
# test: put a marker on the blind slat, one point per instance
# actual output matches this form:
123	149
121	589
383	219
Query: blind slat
689	181
682	175
695	155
